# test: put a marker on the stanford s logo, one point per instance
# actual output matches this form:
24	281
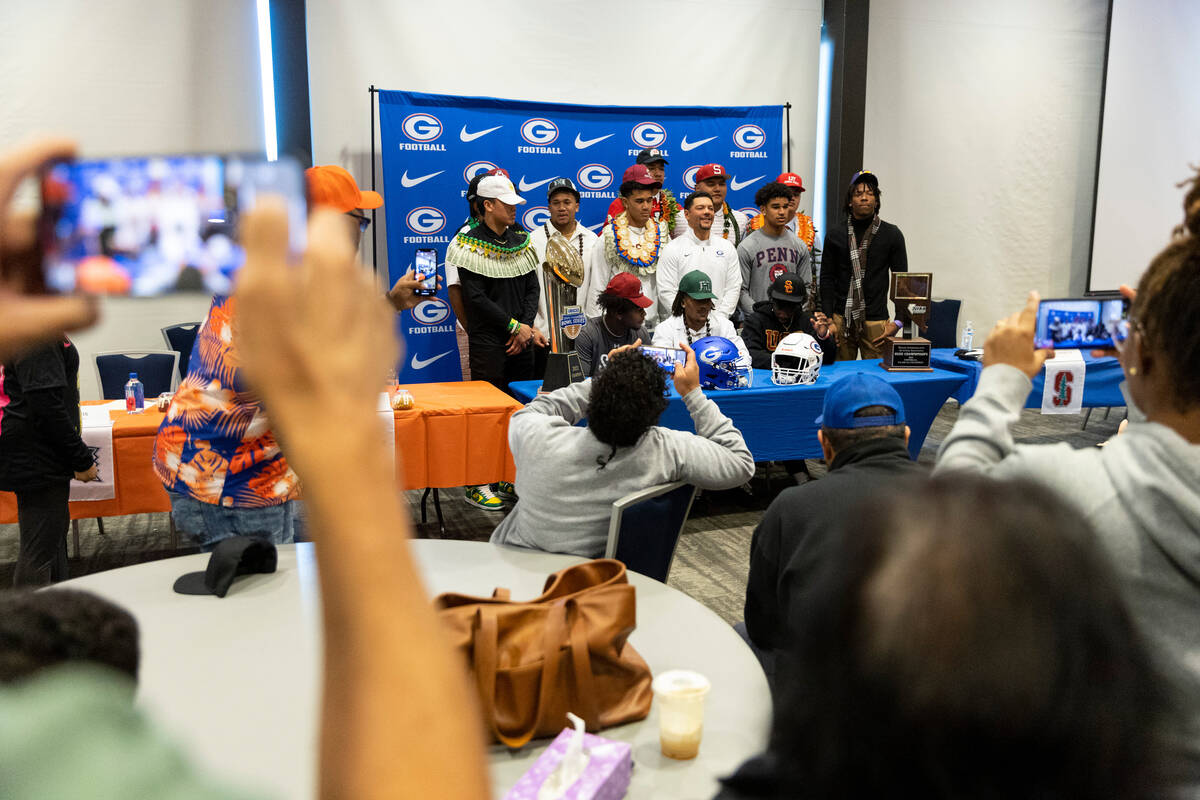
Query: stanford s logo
1063	389
432	311
422	127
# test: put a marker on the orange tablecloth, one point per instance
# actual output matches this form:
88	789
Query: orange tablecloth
455	435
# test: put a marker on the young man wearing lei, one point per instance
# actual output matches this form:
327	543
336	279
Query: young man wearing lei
562	198
772	250
631	242
664	207
728	223
496	266
698	249
798	222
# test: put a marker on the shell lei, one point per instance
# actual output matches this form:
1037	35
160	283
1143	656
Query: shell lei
475	255
643	261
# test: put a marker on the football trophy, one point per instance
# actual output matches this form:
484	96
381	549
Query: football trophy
908	351
562	275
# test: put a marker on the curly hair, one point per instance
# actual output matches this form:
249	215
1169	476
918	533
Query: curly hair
1168	303
771	191
874	184
628	397
613	303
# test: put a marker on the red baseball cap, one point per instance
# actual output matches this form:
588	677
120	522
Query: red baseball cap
627	285
638	173
791	179
711	171
330	185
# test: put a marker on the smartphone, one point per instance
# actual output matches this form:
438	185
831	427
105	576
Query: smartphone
425	264
151	225
667	357
1078	323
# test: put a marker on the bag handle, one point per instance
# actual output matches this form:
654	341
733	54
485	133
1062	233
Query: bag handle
485	658
581	662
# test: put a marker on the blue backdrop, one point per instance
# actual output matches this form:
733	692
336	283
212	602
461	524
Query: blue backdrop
433	145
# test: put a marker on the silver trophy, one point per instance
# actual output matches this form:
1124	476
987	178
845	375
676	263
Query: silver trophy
563	275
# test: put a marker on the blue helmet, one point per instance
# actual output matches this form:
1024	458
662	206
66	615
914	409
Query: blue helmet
720	364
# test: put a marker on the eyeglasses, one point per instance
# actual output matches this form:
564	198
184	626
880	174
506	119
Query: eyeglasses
364	221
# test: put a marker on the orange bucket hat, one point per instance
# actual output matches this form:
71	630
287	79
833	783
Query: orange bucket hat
330	185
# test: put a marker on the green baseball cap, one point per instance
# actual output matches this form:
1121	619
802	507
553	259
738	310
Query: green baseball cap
697	285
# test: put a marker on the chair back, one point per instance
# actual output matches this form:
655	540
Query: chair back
158	370
943	323
645	527
181	337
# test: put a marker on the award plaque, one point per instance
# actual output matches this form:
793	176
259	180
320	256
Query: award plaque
562	275
908	351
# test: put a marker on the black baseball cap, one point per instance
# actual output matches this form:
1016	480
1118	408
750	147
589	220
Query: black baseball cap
237	555
650	155
788	288
561	185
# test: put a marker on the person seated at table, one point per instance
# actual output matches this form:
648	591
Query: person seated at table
693	316
781	314
1141	492
56	626
865	443
963	638
623	322
569	476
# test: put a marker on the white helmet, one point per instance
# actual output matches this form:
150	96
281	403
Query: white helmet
797	359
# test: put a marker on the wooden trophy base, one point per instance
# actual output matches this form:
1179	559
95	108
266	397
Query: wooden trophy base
562	369
906	355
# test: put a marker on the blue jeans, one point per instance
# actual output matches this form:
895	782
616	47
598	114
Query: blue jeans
206	524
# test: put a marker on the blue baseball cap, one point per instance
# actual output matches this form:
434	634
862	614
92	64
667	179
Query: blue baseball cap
855	392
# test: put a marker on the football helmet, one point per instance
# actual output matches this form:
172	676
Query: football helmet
797	359
721	366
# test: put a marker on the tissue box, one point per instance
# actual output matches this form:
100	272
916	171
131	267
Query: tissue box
605	778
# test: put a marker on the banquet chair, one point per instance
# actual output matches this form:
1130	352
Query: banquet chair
180	338
158	370
645	527
943	323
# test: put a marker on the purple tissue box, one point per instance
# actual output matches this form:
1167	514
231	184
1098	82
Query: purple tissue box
605	778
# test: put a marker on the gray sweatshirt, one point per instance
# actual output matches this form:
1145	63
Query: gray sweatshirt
1140	492
566	501
764	258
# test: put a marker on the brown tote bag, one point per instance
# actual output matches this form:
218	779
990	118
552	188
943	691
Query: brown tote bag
534	661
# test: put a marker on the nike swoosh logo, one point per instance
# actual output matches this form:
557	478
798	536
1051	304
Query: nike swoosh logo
583	144
595	227
685	145
467	136
422	363
408	182
529	187
735	184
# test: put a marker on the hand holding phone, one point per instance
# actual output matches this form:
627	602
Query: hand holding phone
1079	323
425	264
666	357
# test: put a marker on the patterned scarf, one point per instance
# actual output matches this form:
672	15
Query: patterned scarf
856	304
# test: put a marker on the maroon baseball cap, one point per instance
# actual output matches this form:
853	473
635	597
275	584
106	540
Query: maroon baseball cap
711	171
639	174
627	285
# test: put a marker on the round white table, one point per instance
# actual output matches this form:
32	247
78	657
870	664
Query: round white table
236	680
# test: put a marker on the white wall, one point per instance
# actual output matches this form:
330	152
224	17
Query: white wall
981	124
668	52
132	76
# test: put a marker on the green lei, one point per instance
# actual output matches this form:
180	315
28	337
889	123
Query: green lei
670	208
487	258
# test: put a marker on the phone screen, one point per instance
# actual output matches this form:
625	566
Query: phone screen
425	264
667	357
148	226
1070	324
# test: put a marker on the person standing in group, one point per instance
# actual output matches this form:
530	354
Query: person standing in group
623	322
664	207
856	271
772	250
632	241
40	452
497	266
730	223
562	198
798	222
699	250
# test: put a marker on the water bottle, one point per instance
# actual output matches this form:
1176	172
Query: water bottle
968	336
135	395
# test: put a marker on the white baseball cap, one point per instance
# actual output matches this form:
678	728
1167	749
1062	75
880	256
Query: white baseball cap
498	187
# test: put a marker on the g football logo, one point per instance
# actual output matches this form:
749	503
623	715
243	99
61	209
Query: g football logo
539	131
535	217
709	355
689	177
431	312
425	220
422	127
749	137
476	167
595	176
648	134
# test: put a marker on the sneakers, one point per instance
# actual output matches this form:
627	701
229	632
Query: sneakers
506	491
483	497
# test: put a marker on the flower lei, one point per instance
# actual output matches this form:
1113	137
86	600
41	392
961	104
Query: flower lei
488	249
643	257
727	218
669	210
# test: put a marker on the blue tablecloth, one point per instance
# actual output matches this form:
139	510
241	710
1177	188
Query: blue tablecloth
1101	386
778	421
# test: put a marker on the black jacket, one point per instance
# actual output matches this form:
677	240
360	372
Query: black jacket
885	256
40	443
762	333
788	542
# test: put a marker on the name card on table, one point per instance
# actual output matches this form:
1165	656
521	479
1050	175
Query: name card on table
1063	390
96	431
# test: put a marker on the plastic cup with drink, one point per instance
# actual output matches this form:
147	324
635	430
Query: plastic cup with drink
680	696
